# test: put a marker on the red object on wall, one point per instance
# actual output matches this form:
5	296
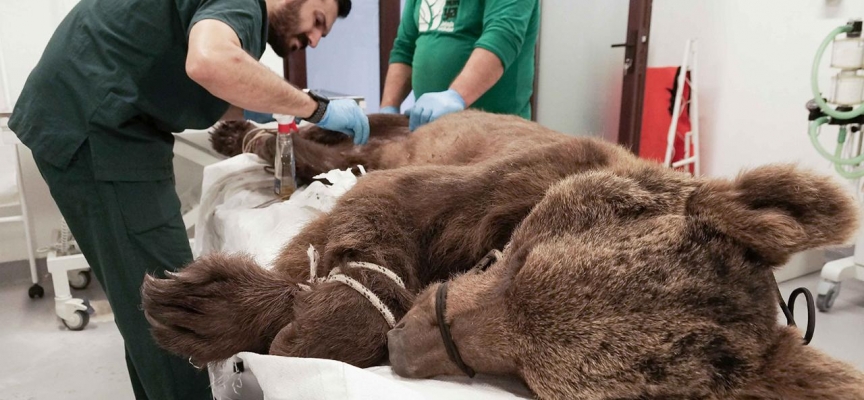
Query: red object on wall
661	85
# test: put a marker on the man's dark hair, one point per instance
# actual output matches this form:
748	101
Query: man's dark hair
344	7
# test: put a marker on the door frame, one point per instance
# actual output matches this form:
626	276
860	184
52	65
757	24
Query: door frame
294	68
633	91
389	16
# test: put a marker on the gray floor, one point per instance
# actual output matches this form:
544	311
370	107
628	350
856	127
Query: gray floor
42	360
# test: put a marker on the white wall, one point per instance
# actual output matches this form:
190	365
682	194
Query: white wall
580	75
25	27
346	61
754	69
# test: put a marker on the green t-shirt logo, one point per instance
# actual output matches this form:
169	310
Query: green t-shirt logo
437	15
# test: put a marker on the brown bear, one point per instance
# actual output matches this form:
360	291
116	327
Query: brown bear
457	189
635	282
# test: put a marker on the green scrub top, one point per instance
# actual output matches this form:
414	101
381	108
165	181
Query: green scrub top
114	74
436	38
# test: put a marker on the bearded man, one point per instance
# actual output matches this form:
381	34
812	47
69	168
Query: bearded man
116	78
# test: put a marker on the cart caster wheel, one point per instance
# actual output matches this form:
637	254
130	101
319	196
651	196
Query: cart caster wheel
78	321
36	291
828	292
80	280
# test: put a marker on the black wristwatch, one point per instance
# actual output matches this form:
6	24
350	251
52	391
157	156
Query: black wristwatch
320	110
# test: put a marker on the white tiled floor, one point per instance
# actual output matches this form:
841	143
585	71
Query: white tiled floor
44	361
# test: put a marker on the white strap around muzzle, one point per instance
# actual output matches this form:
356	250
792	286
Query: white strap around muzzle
336	275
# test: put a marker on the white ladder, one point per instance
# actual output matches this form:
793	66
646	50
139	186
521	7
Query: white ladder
692	137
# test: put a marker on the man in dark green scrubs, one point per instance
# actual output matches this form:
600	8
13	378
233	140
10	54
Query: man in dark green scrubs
116	79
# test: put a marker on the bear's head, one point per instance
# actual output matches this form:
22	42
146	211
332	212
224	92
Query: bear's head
635	277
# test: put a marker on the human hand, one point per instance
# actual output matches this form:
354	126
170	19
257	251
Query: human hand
345	116
432	106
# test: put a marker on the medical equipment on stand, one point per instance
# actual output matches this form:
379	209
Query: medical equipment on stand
845	109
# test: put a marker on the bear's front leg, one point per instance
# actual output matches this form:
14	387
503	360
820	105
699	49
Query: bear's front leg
218	306
371	224
333	321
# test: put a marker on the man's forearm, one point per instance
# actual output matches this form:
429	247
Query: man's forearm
397	85
244	82
218	63
480	73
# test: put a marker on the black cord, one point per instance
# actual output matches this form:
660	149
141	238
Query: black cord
790	318
452	351
789	311
811	311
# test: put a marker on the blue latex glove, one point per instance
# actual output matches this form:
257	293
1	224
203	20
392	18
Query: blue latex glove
345	116
432	106
389	110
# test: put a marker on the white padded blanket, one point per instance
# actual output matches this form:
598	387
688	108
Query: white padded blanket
228	222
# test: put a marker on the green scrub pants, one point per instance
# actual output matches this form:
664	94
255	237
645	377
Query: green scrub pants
126	230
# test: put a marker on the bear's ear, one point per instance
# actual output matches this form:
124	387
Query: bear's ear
778	210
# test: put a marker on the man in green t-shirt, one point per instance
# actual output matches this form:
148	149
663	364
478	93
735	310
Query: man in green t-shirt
458	53
117	77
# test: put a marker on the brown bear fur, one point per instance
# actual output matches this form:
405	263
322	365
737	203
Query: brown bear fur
471	178
636	282
466	138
